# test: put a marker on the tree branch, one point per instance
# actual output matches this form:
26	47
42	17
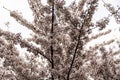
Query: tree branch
24	22
74	55
76	47
16	38
51	47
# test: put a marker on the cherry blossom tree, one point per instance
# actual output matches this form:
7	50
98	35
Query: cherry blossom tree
62	33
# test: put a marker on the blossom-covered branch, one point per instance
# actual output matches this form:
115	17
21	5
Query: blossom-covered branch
17	39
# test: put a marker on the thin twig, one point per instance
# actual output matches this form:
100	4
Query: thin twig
7	9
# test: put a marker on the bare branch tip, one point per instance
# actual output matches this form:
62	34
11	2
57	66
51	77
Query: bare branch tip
6	9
